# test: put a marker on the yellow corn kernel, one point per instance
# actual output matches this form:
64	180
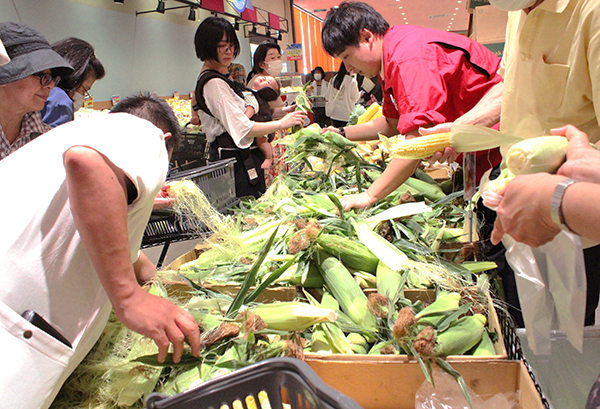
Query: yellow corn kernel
419	147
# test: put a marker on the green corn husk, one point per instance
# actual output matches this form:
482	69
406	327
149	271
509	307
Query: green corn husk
460	337
347	292
352	253
292	315
485	347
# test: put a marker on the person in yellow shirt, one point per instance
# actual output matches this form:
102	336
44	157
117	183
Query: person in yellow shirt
550	79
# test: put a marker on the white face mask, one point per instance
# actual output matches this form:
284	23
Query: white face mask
512	5
78	101
367	84
274	68
318	77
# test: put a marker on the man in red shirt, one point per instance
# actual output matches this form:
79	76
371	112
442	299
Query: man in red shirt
430	77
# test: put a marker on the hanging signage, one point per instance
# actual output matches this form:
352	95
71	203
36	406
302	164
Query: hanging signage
294	52
238	5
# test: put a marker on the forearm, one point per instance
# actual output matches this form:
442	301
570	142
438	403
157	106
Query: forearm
487	111
580	209
98	201
264	128
369	131
144	269
396	173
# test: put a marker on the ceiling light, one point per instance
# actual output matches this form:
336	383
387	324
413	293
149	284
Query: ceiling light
399	7
456	8
452	18
161	7
120	1
403	13
192	16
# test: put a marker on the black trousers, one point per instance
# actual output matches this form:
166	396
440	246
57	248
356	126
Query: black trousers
497	254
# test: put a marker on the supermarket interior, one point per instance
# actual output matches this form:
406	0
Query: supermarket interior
335	204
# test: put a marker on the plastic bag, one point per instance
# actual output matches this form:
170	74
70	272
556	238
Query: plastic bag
447	395
551	283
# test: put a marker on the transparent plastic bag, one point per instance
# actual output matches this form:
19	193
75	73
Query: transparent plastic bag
551	283
447	395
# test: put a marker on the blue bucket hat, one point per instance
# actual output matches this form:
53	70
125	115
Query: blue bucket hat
29	52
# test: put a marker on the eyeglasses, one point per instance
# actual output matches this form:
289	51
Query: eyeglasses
225	48
86	92
46	78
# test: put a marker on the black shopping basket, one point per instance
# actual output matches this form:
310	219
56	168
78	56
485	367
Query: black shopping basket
267	384
217	182
190	153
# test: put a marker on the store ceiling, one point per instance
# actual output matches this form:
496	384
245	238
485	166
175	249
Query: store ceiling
447	15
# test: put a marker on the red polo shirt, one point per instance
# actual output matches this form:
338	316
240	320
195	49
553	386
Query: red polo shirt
433	77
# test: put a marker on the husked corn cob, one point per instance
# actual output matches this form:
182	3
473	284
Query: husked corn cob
462	336
541	154
463	138
417	148
372	112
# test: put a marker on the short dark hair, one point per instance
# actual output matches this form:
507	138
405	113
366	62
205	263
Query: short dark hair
318	68
210	33
260	55
342	25
80	54
155	110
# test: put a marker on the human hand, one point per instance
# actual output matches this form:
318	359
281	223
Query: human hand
266	163
357	201
195	120
583	161
163	200
331	129
291	119
160	320
448	154
524	213
288	109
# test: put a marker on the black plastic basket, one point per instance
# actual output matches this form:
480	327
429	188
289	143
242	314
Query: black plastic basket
282	380
217	182
514	350
190	153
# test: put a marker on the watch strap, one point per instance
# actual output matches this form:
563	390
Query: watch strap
556	203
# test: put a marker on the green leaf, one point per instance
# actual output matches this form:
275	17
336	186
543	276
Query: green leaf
250	279
269	280
152	360
461	382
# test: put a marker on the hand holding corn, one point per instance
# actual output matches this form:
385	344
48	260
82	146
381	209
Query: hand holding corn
583	159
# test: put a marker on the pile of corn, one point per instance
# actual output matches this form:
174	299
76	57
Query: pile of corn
297	234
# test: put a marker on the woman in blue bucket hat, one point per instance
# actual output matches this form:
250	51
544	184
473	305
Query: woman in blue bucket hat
25	83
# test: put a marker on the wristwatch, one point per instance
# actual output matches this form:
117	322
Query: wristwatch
556	213
342	131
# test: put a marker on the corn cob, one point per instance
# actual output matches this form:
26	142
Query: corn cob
352	253
431	191
360	345
485	347
293	316
373	111
444	301
320	343
461	336
346	291
541	154
463	138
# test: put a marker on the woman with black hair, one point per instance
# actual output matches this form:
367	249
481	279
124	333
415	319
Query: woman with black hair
316	91
266	61
341	97
66	98
229	132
